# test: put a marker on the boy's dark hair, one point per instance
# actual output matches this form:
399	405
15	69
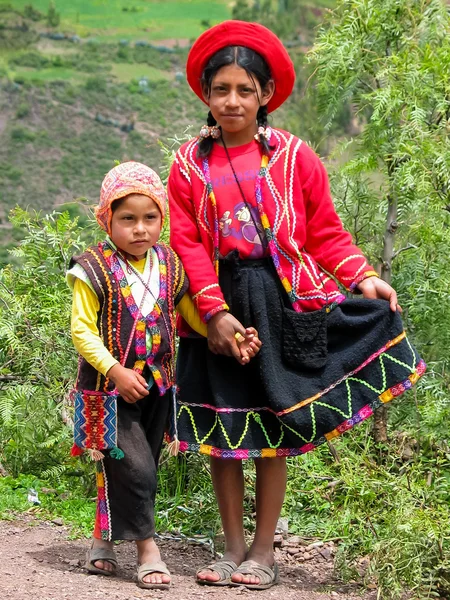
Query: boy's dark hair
255	66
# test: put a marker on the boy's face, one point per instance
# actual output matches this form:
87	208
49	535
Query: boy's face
135	224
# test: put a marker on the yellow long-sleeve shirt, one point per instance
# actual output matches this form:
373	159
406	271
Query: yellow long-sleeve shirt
85	334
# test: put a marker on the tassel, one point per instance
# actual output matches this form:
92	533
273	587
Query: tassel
174	447
76	451
116	453
95	454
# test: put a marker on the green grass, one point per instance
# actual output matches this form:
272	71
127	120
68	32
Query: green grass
50	74
105	19
125	72
65	500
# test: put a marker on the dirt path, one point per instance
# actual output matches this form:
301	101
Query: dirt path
39	562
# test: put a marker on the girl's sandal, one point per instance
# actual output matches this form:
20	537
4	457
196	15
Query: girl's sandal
149	568
104	554
267	576
224	568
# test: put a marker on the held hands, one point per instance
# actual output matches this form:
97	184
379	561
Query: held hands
375	288
130	385
222	331
248	344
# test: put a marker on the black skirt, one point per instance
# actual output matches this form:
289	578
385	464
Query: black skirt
267	408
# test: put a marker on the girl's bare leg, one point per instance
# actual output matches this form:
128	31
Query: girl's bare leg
270	492
228	482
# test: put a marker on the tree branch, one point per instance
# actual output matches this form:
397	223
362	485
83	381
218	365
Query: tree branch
408	247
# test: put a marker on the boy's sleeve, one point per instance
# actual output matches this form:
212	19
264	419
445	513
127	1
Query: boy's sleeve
326	239
85	334
187	309
183	302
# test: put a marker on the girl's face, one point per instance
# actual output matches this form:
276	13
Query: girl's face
234	100
136	224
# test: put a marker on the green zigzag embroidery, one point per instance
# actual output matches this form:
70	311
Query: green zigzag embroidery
257	417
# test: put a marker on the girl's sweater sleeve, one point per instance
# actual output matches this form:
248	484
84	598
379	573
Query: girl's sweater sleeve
326	239
185	239
85	334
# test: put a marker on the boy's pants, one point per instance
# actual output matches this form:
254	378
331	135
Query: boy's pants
127	487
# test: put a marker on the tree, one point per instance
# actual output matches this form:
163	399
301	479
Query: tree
389	59
53	17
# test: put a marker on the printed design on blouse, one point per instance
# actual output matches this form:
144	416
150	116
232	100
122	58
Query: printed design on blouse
243	223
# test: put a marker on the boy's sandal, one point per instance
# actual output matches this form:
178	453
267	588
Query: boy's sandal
267	576
224	568
104	554
149	568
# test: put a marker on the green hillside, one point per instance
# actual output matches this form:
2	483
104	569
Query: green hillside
138	19
84	84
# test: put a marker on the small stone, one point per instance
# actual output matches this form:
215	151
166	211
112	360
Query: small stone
293	551
325	553
74	563
278	540
282	526
295	540
58	522
334	594
317	545
371	586
307	556
45	490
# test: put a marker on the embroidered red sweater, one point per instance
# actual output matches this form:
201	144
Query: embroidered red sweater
308	236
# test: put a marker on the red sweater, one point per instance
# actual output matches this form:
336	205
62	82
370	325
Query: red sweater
307	233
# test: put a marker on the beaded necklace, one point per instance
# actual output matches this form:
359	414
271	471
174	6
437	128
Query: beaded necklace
150	319
264	221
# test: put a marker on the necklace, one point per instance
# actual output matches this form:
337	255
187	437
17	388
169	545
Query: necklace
249	208
275	251
258	194
132	269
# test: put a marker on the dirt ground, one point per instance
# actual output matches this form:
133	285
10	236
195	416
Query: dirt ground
39	562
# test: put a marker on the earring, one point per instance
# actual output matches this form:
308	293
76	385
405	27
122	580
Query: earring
263	131
207	131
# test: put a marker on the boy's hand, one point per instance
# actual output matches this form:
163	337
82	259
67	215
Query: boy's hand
130	385
248	344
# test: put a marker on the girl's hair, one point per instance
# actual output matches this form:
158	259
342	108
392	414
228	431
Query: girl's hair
255	67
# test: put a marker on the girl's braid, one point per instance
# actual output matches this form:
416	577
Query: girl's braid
205	145
262	120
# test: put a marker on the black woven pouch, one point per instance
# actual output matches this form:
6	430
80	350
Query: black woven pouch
304	339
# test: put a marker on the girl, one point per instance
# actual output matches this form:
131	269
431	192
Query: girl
125	290
327	362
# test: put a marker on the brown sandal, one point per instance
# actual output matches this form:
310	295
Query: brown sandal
224	568
104	554
149	568
268	576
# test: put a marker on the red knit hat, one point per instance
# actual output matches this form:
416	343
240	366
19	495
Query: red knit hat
253	36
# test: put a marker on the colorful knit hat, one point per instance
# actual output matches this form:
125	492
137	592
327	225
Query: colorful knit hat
129	178
253	36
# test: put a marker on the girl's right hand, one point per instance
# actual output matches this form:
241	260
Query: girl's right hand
222	328
130	385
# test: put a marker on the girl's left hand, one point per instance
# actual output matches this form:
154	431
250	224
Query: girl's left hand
375	288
